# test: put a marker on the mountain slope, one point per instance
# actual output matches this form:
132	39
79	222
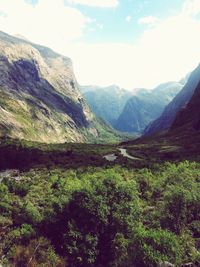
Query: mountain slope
165	121
180	142
106	102
188	118
146	106
39	96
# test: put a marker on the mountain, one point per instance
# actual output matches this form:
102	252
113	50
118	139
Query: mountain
188	118
88	88
146	106
166	119
106	102
40	98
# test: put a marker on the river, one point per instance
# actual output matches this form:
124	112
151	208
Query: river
123	151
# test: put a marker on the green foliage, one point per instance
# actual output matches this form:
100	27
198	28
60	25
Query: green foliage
104	205
25	155
181	204
38	252
113	217
150	247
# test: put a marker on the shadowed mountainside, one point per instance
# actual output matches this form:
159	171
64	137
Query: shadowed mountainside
189	117
40	98
180	142
165	121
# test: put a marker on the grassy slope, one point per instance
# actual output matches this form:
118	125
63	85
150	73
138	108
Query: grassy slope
27	126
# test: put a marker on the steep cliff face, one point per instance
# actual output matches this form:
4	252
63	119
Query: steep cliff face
39	95
165	121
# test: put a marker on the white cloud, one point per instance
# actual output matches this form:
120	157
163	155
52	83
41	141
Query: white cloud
128	18
49	22
96	3
149	20
171	49
103	64
100	26
191	7
165	52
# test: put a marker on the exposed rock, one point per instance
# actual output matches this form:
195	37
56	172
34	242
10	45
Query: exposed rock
39	95
166	264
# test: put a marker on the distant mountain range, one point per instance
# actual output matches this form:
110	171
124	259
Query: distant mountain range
146	106
106	102
40	98
130	111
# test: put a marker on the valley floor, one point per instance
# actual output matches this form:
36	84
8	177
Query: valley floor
66	205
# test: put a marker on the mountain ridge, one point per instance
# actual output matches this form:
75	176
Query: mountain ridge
145	106
40	97
106	102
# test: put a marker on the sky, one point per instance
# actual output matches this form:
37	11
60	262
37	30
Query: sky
130	43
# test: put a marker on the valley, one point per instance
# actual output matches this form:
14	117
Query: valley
56	196
95	176
142	105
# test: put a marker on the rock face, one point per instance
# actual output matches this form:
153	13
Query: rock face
145	107
39	95
106	102
169	114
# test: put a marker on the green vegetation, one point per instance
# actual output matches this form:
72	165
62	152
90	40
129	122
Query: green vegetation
26	155
94	216
29	118
106	133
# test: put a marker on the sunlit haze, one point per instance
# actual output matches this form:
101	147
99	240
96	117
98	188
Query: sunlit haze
131	43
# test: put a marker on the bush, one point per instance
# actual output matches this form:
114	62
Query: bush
149	247
105	206
39	252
